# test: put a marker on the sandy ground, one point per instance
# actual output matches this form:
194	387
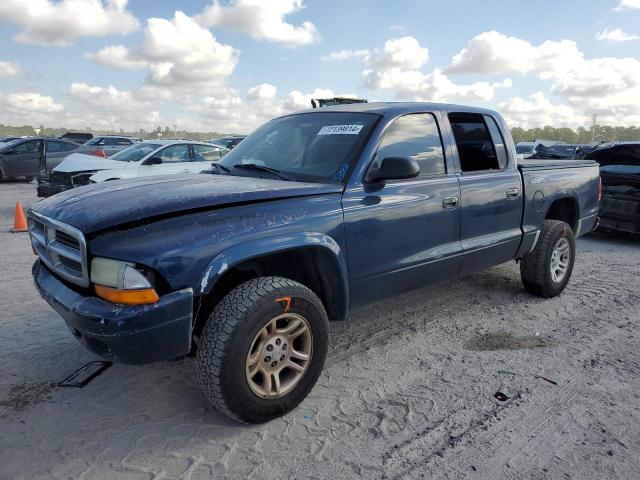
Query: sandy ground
407	392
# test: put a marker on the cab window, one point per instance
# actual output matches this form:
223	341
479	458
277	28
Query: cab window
414	136
478	149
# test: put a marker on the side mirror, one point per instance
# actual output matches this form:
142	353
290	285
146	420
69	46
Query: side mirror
394	168
154	161
9	152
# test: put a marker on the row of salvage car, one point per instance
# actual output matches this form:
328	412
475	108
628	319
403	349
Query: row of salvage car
620	174
60	165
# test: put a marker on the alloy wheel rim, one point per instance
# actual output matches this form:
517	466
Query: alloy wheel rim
279	356
560	258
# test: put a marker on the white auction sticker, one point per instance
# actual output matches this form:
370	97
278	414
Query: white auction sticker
340	130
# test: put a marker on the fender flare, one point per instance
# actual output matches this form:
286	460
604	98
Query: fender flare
242	252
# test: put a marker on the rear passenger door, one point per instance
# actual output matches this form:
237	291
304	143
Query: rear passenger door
491	192
402	234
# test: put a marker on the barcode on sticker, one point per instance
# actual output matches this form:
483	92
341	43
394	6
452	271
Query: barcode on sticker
340	130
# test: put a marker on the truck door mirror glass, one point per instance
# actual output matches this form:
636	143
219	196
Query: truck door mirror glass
154	161
394	168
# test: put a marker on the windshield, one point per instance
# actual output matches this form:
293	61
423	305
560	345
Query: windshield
135	152
313	147
524	148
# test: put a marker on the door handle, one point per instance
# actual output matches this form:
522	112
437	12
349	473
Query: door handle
450	202
513	193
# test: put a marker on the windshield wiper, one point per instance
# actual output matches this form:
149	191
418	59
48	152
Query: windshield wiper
262	168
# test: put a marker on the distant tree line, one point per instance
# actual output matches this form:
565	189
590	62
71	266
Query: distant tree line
596	133
28	130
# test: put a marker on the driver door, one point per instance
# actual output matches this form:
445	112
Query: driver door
403	234
24	159
174	159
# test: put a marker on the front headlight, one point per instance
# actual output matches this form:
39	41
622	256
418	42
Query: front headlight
120	282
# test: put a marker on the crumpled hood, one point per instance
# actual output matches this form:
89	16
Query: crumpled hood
80	162
104	205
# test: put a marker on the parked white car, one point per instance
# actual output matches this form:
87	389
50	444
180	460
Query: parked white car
154	157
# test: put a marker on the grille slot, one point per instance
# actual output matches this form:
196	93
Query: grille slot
67	239
61	247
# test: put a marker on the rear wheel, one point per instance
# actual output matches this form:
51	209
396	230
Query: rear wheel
262	349
547	269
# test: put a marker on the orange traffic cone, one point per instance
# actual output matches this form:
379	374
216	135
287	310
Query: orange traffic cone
20	220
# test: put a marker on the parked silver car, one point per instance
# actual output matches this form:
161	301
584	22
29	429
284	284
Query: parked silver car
107	145
28	157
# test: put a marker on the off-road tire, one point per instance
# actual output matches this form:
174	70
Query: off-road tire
535	267
228	335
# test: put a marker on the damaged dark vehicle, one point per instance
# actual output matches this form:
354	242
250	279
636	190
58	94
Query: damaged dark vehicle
620	173
312	214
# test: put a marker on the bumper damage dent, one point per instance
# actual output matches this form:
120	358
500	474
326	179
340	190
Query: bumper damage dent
133	334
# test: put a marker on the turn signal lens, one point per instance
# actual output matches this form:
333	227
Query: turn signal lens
127	297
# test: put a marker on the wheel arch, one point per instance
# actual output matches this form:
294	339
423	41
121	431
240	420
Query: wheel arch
565	208
313	259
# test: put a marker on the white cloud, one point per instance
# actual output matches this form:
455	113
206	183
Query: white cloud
615	35
31	102
494	53
228	111
9	69
413	85
342	55
110	108
178	53
297	100
628	5
405	53
117	56
29	108
537	111
49	23
262	20
606	86
397	68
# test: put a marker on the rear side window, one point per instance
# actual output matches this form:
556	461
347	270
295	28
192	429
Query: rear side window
414	136
53	146
498	141
175	154
208	153
476	149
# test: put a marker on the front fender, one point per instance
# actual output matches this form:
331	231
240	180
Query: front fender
119	174
242	252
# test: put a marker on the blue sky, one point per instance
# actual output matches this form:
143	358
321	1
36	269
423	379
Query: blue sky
231	65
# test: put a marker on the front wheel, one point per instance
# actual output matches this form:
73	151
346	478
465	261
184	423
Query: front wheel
546	270
262	349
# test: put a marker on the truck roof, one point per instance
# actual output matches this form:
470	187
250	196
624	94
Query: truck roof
398	108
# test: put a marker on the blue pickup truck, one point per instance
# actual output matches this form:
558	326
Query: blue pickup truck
313	213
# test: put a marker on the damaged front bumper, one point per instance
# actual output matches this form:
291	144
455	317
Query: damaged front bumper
133	334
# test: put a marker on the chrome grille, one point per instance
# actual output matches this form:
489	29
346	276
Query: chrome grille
61	247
